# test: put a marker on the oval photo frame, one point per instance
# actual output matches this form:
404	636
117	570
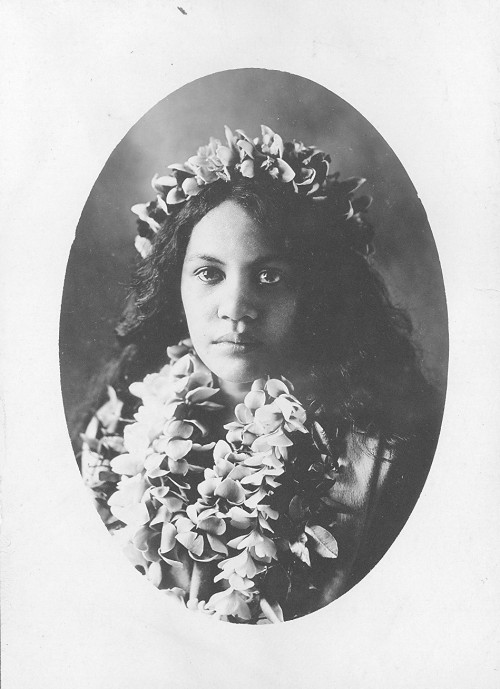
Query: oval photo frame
286	562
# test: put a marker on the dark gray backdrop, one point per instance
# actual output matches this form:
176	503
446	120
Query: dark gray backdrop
102	254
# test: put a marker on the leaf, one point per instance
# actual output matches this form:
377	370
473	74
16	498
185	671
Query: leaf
296	509
324	543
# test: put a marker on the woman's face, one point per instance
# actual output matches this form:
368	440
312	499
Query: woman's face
238	295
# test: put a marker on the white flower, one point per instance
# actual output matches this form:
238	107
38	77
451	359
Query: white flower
127	504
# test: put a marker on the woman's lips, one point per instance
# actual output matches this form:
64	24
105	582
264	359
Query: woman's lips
237	343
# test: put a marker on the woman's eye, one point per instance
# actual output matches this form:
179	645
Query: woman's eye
270	276
209	275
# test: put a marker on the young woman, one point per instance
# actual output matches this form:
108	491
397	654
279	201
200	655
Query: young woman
245	495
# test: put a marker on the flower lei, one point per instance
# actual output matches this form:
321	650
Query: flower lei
304	169
250	503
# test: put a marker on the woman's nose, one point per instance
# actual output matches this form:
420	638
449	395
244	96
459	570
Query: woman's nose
237	301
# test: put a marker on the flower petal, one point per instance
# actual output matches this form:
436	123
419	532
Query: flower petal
243	414
142	211
168	534
259	384
162	182
247	168
191	541
207	487
238	472
239	583
240	518
221	449
143	246
178	466
201	394
177	448
190	186
227	156
224	467
181	167
275	387
231	491
234	435
255	399
246	147
129	464
230	602
277	147
213	525
272	611
269	417
278	439
175	196
178	429
217	544
154	573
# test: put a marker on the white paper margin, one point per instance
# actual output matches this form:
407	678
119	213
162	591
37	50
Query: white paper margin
75	77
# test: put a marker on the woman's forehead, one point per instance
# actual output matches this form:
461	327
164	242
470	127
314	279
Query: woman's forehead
228	233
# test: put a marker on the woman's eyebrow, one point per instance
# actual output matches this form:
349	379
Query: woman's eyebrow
258	261
203	257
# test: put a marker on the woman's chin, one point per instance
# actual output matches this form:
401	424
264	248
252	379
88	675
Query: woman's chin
239	364
240	370
240	376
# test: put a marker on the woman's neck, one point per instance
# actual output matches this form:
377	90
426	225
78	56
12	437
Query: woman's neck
232	394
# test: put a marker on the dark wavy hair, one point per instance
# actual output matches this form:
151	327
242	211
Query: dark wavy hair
354	358
354	363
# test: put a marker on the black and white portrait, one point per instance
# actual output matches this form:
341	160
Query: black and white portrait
263	426
249	303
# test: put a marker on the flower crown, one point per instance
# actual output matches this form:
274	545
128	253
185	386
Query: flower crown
304	169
